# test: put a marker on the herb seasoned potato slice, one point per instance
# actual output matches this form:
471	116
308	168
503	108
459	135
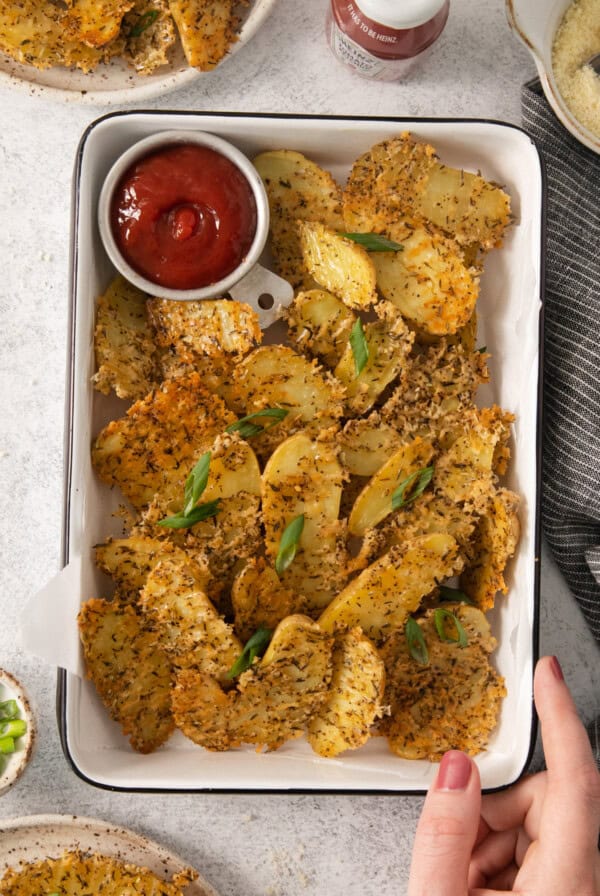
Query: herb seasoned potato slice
430	514
298	190
126	354
437	391
401	176
427	281
464	472
381	598
260	599
161	435
366	444
78	874
129	561
130	672
354	699
453	702
188	627
319	324
275	698
375	501
95	22
338	264
149	32
305	477
389	343
35	33
276	376
207	328
206	29
493	544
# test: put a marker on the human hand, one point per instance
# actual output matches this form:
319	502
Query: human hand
539	837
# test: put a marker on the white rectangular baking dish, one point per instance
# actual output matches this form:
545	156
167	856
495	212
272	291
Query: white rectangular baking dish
510	325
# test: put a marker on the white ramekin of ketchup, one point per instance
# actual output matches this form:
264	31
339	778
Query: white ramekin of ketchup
183	215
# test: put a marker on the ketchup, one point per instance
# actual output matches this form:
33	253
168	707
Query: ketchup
183	217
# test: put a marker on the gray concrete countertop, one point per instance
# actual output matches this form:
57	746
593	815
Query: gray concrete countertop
248	845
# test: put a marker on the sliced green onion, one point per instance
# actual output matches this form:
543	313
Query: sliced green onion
482	350
439	617
374	242
247	429
7	745
289	544
254	647
416	642
454	594
420	480
196	483
196	515
9	710
144	22
360	348
13	728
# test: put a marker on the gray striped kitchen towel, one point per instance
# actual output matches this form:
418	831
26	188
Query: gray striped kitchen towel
571	452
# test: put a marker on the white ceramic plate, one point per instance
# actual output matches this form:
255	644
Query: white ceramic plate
116	83
509	314
37	837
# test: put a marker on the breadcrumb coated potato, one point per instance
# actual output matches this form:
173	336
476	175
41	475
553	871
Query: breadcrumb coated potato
80	874
402	176
338	264
85	33
209	328
355	696
159	439
381	598
298	190
452	702
188	627
126	349
130	672
274	700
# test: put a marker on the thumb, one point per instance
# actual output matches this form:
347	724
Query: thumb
447	830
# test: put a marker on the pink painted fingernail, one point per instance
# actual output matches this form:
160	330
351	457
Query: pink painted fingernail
454	772
556	669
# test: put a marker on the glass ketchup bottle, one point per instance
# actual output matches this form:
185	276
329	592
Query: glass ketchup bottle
382	39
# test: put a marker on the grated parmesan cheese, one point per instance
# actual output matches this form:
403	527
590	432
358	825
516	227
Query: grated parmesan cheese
577	40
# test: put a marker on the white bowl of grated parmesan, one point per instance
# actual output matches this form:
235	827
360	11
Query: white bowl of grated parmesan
562	35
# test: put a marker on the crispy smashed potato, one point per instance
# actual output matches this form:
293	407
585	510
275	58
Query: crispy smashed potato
188	627
126	353
385	593
494	543
355	696
402	177
338	264
129	561
85	33
298	190
274	700
319	324
305	499
450	703
427	281
209	328
80	874
389	342
130	672
162	435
